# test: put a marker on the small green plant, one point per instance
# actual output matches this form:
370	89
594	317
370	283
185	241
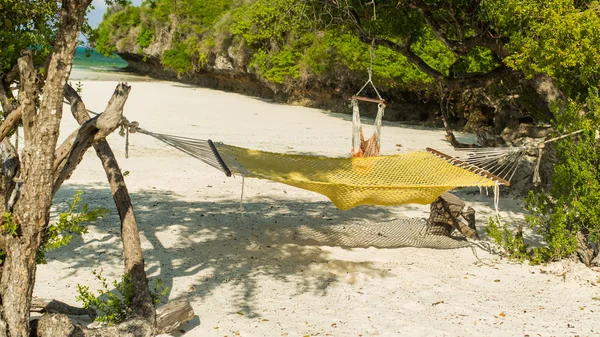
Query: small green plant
513	245
9	227
112	307
60	233
79	87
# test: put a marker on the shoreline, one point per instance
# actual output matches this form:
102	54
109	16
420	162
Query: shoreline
82	74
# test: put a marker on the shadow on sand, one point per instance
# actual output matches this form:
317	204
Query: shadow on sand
215	244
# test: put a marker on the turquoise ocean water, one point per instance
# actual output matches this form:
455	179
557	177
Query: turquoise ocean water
93	61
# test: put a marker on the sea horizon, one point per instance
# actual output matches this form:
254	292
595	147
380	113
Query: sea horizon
89	59
91	65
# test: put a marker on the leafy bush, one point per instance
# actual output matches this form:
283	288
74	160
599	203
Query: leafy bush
571	205
178	58
513	245
146	36
60	233
112	307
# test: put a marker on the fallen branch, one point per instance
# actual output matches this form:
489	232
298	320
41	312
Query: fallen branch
44	305
168	318
172	315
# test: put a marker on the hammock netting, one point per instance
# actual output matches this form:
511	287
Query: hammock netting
415	177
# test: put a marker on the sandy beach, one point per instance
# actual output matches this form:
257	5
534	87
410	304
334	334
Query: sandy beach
286	262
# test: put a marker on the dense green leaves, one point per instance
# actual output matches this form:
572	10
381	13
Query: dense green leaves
557	37
571	205
26	25
178	58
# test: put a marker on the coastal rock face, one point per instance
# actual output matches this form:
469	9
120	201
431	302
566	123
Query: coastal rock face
317	69
223	73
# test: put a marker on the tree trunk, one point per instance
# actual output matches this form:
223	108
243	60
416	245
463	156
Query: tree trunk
143	321
549	94
141	302
32	209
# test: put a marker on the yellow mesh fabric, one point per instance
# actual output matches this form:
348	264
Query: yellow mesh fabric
415	177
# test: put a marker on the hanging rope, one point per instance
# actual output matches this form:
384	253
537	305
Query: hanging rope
370	72
125	128
360	146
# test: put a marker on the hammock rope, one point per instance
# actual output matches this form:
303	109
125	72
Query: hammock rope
371	146
414	177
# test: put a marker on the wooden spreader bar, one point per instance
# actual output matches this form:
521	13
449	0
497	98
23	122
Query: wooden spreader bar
468	166
217	155
368	99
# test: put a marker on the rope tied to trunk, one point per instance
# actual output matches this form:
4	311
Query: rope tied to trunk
125	128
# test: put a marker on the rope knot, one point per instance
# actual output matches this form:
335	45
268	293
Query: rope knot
127	127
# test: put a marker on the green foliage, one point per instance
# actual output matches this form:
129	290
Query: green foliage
178	59
26	25
557	37
513	245
189	13
277	67
9	226
264	21
60	233
114	27
146	36
112	307
571	206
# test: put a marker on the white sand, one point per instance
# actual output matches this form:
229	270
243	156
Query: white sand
295	265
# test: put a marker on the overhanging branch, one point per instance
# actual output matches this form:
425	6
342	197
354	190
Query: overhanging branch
405	50
461	46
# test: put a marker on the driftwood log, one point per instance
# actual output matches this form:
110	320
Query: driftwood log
44	305
444	217
168	318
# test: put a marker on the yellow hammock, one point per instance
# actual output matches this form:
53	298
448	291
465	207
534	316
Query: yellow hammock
415	177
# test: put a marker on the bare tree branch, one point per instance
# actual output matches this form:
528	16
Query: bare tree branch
32	208
11	122
461	46
71	151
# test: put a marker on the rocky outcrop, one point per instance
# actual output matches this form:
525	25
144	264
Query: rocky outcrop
222	74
